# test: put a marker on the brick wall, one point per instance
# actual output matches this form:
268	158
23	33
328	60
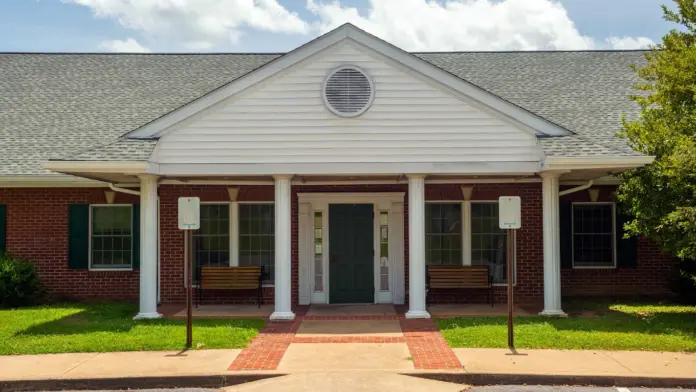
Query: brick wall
648	278
37	229
172	242
530	247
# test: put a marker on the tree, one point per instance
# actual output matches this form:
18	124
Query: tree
662	195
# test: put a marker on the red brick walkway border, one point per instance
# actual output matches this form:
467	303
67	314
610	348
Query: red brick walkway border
349	339
427	346
268	347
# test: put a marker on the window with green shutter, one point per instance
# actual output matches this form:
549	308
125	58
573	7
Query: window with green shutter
111	237
78	236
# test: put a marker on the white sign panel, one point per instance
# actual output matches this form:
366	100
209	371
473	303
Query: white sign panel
189	213
510	212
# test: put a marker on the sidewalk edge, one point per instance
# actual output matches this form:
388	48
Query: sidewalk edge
207	381
554	379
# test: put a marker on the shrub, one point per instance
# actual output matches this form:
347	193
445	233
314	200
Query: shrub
682	281
19	282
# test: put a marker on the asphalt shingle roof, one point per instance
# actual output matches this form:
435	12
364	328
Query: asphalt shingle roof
77	106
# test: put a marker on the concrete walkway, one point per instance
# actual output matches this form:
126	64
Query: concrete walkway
120	364
358	365
578	363
364	381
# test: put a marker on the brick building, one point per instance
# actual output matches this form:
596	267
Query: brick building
344	168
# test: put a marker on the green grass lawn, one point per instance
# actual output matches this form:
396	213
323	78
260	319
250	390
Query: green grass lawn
109	327
600	327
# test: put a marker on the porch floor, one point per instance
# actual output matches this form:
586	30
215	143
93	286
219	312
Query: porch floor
226	311
476	310
345	312
351	310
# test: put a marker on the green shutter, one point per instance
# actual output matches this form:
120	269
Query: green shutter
626	248
3	227
78	236
565	217
136	236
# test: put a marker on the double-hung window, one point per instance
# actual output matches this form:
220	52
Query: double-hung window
248	241
257	236
111	237
443	234
488	240
594	235
211	243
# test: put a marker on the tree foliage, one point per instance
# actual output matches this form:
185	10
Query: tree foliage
662	196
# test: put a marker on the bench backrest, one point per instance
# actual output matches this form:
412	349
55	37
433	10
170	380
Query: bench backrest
230	278
458	276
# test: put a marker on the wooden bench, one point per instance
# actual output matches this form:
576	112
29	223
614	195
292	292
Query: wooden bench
230	278
459	277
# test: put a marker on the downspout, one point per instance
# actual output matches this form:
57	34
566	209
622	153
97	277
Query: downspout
576	189
123	190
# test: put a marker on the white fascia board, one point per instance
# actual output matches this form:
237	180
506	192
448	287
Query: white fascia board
202	105
48	181
100	167
610	162
474	168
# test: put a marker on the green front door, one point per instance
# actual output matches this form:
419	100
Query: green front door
351	253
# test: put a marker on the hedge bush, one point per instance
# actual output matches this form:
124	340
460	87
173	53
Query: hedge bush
19	282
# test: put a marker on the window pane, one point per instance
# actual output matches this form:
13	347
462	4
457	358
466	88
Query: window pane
257	239
488	240
593	235
111	236
211	243
443	232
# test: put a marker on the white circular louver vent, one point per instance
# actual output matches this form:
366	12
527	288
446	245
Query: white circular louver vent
348	91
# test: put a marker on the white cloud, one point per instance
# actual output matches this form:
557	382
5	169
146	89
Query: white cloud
416	25
624	43
461	24
197	24
128	46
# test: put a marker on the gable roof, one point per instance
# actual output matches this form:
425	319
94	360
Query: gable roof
77	106
349	33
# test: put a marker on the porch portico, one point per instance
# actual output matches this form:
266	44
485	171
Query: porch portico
344	168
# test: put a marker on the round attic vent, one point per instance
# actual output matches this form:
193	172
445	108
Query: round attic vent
348	91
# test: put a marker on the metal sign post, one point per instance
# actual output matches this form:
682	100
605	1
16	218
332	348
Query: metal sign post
510	212
189	219
510	286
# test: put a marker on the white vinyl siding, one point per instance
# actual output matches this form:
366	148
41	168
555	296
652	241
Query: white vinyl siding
284	120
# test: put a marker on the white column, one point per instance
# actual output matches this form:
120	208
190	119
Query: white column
552	248
416	247
283	278
148	248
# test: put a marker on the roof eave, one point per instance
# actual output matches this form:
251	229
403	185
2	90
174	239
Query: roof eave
602	162
125	167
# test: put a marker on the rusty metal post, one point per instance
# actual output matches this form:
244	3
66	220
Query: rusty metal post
510	286
189	289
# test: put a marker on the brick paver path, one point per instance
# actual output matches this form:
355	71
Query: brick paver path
268	347
427	346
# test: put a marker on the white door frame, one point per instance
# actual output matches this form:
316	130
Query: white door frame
309	203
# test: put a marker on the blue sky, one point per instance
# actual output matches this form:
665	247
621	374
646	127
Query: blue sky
281	25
